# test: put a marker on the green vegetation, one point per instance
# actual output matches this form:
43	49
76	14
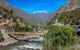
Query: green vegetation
22	26
3	9
1	38
71	17
19	24
27	28
59	36
63	37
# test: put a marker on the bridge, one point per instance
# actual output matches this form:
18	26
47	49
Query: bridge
26	35
11	37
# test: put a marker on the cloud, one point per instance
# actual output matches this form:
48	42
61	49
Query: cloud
43	11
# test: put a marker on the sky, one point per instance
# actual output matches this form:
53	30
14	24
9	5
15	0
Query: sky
33	6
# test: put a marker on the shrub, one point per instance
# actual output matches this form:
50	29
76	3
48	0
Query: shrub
1	38
58	35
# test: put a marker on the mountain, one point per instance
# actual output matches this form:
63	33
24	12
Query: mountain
42	17
34	18
16	12
38	18
19	13
2	3
67	14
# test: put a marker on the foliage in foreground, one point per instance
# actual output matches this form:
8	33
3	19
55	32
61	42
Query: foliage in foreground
59	35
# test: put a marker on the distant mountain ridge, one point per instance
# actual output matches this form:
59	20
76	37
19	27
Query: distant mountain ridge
43	11
37	18
42	17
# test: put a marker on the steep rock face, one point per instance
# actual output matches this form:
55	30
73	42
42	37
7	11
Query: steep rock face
73	4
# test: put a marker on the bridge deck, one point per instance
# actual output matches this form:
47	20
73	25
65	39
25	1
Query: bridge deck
27	33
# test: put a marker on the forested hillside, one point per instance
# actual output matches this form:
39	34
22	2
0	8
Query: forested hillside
71	17
68	13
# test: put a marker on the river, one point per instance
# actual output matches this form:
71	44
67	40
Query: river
23	45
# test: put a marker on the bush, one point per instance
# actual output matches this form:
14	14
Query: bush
58	35
1	38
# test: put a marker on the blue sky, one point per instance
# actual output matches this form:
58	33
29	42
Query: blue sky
31	6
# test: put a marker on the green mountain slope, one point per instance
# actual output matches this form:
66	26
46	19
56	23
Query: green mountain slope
71	17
